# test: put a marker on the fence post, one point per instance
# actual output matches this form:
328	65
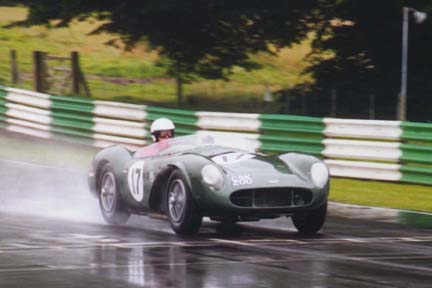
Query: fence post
14	67
287	103
75	73
333	102
179	84
304	99
371	106
38	73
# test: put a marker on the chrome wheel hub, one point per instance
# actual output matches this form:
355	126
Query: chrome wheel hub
108	188
177	200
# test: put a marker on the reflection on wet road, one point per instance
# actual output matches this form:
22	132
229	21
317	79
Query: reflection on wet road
51	235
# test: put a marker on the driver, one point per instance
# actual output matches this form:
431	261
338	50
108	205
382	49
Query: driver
162	129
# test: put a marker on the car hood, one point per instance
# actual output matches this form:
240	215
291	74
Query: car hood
239	161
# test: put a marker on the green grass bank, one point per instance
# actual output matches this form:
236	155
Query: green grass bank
244	92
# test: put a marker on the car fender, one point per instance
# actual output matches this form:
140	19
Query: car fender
180	166
300	164
114	154
160	184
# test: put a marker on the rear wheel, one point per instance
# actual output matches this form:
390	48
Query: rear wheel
310	222
182	212
110	202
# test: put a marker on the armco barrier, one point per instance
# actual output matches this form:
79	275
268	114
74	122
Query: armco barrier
284	133
362	129
367	149
417	132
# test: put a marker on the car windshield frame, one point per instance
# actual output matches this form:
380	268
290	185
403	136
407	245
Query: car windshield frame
189	142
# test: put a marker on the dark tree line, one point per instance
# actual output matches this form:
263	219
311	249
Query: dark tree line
209	37
366	42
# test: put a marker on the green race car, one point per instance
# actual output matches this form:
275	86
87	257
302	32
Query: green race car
187	178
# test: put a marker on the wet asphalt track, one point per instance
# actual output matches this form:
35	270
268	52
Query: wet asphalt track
51	235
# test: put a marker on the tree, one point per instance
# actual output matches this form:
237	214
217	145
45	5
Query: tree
198	37
365	40
204	38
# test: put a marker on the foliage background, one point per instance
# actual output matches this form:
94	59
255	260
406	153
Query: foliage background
355	45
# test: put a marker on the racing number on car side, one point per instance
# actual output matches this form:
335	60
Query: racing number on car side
241	180
137	173
136	180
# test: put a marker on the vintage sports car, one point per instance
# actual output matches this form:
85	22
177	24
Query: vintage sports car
190	177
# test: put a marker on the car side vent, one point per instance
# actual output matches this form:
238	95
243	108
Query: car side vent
272	197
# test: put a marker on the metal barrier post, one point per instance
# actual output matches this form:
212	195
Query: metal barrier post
75	73
14	67
38	77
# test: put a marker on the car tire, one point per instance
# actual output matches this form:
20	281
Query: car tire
181	209
310	222
111	204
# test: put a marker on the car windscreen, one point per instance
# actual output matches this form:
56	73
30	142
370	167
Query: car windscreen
185	143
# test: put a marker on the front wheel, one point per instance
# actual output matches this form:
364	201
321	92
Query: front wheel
110	202
182	212
310	222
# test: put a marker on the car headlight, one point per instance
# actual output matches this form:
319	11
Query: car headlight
213	176
319	174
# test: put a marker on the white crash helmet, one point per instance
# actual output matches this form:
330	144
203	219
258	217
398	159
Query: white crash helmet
161	124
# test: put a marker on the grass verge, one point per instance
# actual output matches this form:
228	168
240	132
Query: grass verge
382	194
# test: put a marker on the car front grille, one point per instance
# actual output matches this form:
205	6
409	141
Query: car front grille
271	197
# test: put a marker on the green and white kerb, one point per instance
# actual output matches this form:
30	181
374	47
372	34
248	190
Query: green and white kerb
367	149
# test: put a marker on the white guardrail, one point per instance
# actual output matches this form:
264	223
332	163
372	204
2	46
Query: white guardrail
367	149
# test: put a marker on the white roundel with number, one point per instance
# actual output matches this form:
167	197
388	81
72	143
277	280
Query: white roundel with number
136	180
